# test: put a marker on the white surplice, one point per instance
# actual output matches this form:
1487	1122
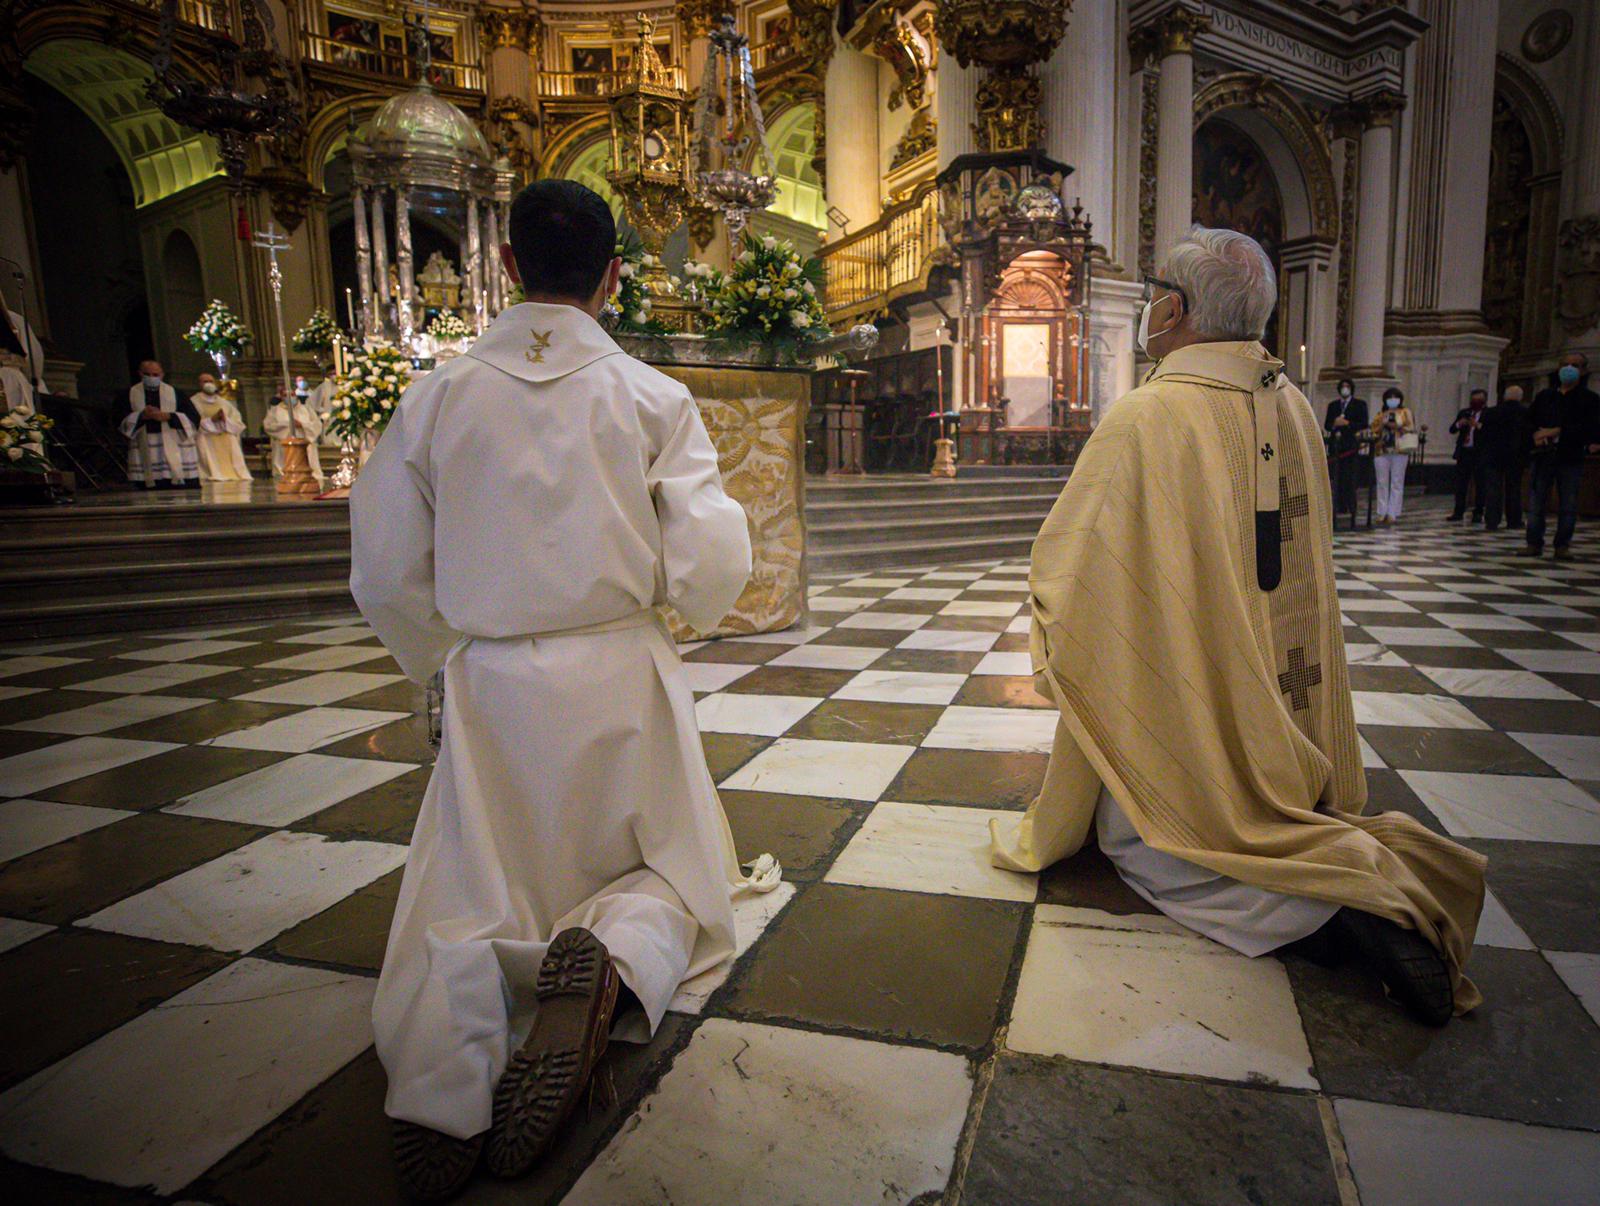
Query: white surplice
167	454
529	505
321	402
217	443
276	425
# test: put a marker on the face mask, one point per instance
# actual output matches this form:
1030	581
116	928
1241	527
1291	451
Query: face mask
1145	334
151	381
1391	403
208	388
1344	391
1567	374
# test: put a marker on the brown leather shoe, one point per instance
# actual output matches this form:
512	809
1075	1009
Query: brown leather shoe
433	1166
577	990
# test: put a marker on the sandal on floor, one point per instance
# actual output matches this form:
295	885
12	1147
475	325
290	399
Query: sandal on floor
577	990
433	1166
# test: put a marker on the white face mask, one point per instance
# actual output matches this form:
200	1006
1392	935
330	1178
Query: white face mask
1145	335
1344	391
151	381
1391	403
209	387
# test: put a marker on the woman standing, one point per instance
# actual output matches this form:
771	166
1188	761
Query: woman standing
1389	458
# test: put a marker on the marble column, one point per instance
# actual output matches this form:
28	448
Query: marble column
402	246
380	253
472	259
1369	273
358	209
491	259
955	107
1080	112
1175	128
851	102
1579	327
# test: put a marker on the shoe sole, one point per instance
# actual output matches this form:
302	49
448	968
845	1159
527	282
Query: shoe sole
577	991
1417	977
433	1166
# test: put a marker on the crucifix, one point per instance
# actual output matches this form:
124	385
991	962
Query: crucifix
272	241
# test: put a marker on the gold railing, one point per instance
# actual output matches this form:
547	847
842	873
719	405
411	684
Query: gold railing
866	270
775	53
582	85
390	64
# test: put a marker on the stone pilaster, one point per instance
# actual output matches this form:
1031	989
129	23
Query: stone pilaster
851	102
1175	121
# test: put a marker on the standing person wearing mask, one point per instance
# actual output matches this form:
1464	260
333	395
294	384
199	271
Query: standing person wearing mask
1388	459
1346	418
1471	469
1501	435
1566	425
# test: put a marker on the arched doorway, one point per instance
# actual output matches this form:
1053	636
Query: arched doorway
1234	187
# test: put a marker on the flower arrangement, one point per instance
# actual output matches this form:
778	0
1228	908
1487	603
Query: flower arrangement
366	395
769	295
448	326
317	336
629	311
698	280
218	330
22	441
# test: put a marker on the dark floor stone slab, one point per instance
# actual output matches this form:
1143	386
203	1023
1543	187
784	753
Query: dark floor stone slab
1087	880
968	623
385	813
85	874
1498	638
861	638
743	653
67	676
1054	1131
67	988
1000	691
906	607
350	934
790	680
1529	1053
24	708
41	1187
13	742
727	752
1388	792
241	682
159	780
206	722
981	778
403	696
900	965
867	720
1391	678
398	741
799	831
1537	715
260	650
929	661
1585	686
1551	889
1475	751
1011	642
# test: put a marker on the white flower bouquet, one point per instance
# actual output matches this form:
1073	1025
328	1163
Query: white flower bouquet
364	398
629	312
768	296
317	336
22	440
448	326
218	330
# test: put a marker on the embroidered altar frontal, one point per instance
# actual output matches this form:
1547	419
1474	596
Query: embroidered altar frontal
756	419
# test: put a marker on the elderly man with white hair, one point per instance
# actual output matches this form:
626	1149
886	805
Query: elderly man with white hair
1186	623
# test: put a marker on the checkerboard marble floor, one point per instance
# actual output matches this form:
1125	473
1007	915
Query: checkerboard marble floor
201	836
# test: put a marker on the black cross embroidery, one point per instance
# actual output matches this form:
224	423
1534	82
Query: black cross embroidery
1266	452
1293	506
1299	679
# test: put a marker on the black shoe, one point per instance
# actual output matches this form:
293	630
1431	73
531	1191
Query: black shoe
1454	517
1413	972
1529	551
433	1166
1563	553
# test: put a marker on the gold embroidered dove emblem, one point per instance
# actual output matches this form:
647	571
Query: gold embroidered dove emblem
535	354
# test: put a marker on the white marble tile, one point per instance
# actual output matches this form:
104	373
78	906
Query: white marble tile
1362	603
159	676
1370	758
1391	635
1429	596
890	621
1495	684
1574	757
952	575
315	690
161	1099
288	791
1519	807
1487	588
787	1115
1000	729
339	634
104	715
926	594
868	583
1392	578
902	686
797	635
24	774
1023	623
250	895
852	770
1131	991
1541	611
951	640
1486	623
308	730
1409	1157
1006	663
929	848
713	676
1496	927
329	657
182	651
1361	653
828	657
1589	640
762	715
29	825
845	603
1346	585
15	933
969	607
1018	568
212	633
1404	708
1581	971
752	913
10	667
1554	661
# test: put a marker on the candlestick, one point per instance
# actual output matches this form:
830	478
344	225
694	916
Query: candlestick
350	308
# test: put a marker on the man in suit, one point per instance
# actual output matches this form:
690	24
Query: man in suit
1503	433
1471	469
1347	416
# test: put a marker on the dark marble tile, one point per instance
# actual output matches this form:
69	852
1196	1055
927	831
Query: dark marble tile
727	752
12	742
908	607
968	623
1529	1053
900	965
1388	792
1407	747
1054	1131
861	638
867	720
1000	691
242	682
67	988
981	778
735	652
207	721
85	874
801	832
1392	678
398	741
1497	638
385	813
929	661
790	680
1011	642
1457	657
260	651
24	708
1087	880
350	934
1551	889
66	676
403	696
1537	715
1585	686
159	780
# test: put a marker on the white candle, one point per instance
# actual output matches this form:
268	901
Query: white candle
350	308
1302	362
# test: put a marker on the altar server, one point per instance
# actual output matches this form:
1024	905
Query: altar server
529	507
160	432
277	425
1186	623
221	455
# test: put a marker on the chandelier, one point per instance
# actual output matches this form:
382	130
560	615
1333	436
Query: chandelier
727	120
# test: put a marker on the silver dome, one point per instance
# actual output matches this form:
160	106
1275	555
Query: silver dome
421	122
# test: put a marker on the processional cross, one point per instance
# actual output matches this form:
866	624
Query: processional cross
272	241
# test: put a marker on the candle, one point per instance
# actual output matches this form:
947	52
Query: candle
1302	363
350	308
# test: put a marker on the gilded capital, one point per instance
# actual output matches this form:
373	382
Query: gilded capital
509	28
1178	30
1381	108
699	17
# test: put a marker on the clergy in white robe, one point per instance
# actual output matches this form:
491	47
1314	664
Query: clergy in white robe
277	425
221	455
320	400
160	433
529	507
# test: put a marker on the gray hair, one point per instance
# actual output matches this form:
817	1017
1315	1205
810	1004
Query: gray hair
1229	282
